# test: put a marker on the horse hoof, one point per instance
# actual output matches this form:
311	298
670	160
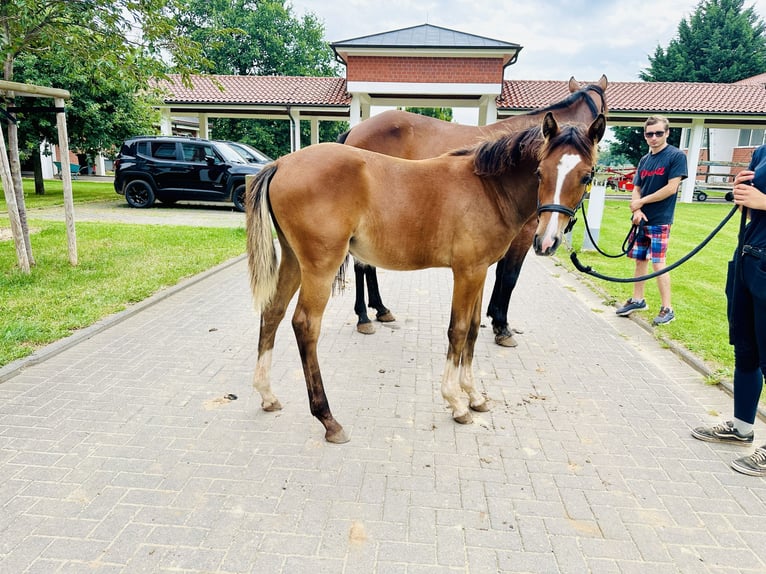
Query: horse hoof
482	407
365	328
506	339
386	317
337	437
464	419
271	407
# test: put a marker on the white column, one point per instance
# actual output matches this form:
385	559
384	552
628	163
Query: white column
355	114
295	118
204	127
314	131
166	125
692	160
594	215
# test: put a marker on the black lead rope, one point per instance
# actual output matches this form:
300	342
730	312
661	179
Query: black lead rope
627	243
589	271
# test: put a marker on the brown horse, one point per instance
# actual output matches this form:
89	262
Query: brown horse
329	199
413	136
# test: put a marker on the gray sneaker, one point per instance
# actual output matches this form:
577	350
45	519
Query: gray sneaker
665	316
724	432
754	465
630	306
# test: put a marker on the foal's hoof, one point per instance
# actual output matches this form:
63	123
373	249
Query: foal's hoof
336	437
365	328
271	407
385	317
464	419
482	407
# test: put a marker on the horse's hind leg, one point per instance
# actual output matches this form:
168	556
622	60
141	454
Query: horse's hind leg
271	316
307	323
506	277
363	323
476	401
384	315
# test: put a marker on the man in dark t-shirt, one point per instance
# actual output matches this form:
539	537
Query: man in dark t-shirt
653	203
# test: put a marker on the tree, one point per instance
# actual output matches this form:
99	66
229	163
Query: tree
123	39
104	109
438	113
721	42
249	37
630	143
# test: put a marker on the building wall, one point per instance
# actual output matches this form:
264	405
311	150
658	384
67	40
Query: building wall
424	70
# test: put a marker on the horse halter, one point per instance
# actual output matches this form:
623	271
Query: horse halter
558	208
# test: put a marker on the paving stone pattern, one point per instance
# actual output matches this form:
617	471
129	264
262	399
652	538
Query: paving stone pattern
128	453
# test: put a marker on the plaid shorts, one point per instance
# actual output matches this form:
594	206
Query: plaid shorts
651	241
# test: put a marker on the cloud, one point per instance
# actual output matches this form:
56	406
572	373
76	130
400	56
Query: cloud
561	38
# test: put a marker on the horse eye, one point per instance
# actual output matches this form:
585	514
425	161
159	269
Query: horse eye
586	179
538	173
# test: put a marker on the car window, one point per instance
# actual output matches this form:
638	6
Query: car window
194	152
163	150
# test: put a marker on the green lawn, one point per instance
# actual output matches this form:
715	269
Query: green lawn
697	285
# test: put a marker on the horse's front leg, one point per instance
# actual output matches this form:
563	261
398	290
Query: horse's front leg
466	296
271	316
476	401
307	323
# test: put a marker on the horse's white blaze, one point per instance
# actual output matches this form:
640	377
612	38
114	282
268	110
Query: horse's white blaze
566	164
451	389
261	380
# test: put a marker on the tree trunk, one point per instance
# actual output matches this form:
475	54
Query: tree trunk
15	164
39	181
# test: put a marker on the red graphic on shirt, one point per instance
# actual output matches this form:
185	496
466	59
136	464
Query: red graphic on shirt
649	173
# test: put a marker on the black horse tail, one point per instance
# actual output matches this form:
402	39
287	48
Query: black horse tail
342	137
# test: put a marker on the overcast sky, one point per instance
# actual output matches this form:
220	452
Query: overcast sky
560	38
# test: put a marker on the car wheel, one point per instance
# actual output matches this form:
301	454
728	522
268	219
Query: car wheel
238	197
138	193
701	196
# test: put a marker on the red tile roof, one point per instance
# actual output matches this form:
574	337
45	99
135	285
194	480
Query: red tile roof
679	97
258	90
516	95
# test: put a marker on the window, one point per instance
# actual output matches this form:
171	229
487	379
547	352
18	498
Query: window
751	138
163	150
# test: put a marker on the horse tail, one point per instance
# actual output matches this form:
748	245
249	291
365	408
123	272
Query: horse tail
261	252
342	137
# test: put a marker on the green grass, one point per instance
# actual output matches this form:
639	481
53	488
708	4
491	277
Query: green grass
82	192
119	264
697	286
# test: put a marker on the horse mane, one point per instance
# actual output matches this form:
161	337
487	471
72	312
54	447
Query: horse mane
574	97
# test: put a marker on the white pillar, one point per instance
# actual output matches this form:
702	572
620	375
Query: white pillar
166	124
46	161
100	166
692	160
204	127
355	113
594	216
314	131
295	122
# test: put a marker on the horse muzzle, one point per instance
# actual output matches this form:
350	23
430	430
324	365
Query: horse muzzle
551	229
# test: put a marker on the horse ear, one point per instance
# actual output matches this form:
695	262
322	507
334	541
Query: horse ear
550	126
573	85
597	128
602	83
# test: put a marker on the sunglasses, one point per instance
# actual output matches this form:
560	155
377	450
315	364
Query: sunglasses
648	135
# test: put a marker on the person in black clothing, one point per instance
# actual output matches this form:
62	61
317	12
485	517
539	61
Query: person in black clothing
746	294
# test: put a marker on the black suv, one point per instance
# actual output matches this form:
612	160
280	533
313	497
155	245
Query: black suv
172	168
